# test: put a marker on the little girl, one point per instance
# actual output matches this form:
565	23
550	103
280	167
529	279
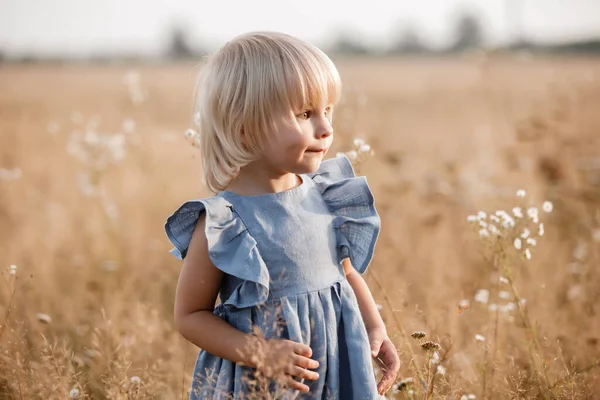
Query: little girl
285	238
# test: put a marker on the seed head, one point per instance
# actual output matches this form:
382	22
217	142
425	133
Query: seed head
418	335
404	383
429	345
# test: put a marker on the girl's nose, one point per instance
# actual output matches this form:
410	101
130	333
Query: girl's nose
324	129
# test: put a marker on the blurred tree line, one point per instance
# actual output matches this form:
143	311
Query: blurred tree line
468	33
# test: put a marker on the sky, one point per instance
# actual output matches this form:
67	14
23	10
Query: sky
86	27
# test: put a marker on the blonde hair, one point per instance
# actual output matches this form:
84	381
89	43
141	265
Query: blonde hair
244	86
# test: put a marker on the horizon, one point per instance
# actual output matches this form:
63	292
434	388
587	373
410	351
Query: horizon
81	28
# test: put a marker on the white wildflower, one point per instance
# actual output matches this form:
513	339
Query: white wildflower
532	212
52	127
495	219
10	174
528	254
493	230
503	294
526	233
352	154
547	206
110	265
503	279
464	397
435	358
518	244
379	306
493	307
522	302
44	318
132	77
365	148
441	370
575	268
482	296
74	393
358	142
483	224
481	215
13	269
508	307
189	134
507	220
580	252
129	125
531	242
480	338
472	218
574	292
541	229
340	154
517	212
472	396
484	233
136	380
521	193
411	392
464	303
501	213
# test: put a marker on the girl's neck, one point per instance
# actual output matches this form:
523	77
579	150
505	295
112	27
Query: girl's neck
254	180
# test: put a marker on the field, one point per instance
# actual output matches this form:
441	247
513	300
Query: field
87	287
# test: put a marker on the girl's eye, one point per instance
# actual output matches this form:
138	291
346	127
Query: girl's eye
304	115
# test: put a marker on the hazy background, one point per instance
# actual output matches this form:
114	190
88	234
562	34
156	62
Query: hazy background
461	103
85	28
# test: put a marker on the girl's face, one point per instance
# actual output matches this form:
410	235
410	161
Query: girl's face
301	140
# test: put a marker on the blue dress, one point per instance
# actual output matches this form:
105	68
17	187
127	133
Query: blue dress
281	254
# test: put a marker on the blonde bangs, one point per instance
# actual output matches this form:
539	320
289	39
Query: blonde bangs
245	87
310	78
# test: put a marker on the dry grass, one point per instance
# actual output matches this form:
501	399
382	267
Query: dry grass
451	137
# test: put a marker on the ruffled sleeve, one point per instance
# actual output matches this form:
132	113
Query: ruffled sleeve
350	200
231	248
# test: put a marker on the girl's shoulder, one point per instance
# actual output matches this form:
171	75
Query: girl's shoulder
339	185
180	225
349	199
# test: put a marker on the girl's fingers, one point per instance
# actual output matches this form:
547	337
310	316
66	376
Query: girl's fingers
305	362
303	373
303	350
294	384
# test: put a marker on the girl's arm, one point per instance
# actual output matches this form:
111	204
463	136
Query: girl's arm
366	303
196	293
382	348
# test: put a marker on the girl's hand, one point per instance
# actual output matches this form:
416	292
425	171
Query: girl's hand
285	360
386	356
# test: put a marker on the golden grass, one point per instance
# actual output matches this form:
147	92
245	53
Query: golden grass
451	137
